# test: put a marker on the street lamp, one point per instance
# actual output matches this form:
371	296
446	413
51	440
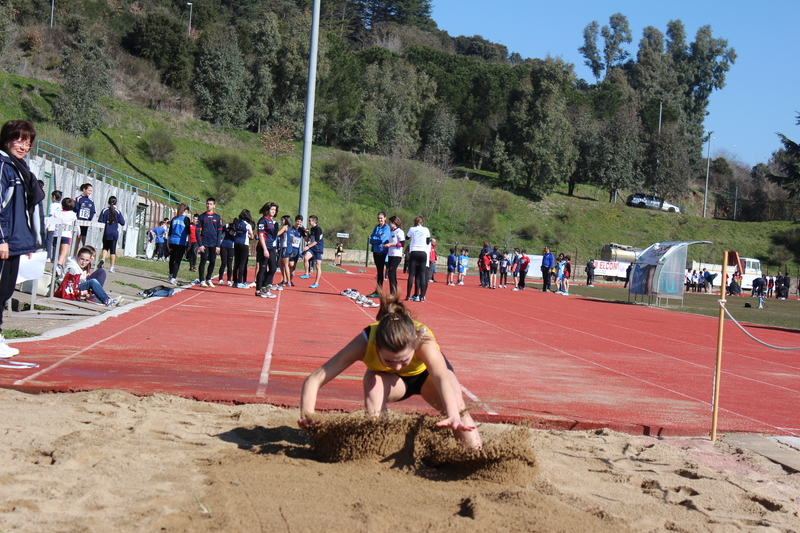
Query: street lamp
190	18
52	8
708	168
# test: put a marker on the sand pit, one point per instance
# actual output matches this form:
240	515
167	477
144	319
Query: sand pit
108	461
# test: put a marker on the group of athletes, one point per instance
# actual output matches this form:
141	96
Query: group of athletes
280	244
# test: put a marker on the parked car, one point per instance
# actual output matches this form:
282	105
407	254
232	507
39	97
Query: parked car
651	201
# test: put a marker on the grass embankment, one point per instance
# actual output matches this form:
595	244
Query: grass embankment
458	210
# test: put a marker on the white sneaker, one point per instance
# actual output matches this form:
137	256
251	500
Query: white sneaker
111	269
6	351
209	284
204	284
230	283
252	285
276	288
515	289
267	294
173	281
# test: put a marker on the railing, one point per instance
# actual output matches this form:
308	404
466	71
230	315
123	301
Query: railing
68	159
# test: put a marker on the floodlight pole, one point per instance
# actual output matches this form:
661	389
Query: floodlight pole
708	168
190	18
308	132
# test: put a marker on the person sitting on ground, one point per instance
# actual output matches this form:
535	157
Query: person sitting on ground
402	360
80	266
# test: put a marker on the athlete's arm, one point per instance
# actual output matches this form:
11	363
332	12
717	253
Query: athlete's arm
429	353
354	351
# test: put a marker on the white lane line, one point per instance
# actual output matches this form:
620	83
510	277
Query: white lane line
84	350
614	371
263	380
477	400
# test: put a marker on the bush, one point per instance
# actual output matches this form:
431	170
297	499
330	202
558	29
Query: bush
269	168
159	145
529	232
234	168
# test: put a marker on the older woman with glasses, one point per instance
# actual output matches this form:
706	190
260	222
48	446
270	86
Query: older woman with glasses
20	198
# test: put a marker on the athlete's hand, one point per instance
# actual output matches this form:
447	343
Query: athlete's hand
455	422
4	251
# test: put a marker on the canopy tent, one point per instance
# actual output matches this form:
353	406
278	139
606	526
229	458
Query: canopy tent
659	271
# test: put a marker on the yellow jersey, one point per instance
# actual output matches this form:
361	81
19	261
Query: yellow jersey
373	362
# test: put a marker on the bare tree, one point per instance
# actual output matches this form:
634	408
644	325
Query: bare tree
345	175
398	181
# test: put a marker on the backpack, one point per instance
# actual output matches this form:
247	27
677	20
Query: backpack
69	287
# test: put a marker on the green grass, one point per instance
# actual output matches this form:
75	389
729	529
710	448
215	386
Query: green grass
777	313
17	334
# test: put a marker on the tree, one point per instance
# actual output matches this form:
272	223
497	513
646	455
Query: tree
620	152
535	149
587	142
589	49
85	69
266	41
219	81
396	99
614	35
162	40
666	164
440	138
788	162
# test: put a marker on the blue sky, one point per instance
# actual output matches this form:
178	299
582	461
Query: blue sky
762	92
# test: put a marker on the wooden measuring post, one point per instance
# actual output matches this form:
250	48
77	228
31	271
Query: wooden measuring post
718	367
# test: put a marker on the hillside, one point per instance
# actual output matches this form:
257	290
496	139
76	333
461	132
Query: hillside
458	210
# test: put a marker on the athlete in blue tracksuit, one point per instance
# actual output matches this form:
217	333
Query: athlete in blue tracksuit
380	236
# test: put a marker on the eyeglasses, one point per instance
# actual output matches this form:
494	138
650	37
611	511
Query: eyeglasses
23	144
82	260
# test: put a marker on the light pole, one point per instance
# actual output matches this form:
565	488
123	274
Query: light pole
190	17
708	168
52	8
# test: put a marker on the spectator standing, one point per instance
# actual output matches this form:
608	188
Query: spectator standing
226	252
504	265
266	250
49	243
68	217
209	237
379	237
178	235
463	265
524	263
432	262
312	253
548	262
590	273
192	245
419	246
628	276
159	234
19	217
243	226
452	265
337	258
394	250
771	285
85	211
112	219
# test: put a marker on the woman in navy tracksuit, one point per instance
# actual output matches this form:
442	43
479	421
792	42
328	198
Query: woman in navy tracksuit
20	195
380	236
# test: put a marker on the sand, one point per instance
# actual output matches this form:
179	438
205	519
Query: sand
108	461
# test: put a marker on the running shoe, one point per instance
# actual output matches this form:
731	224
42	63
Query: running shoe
173	281
414	299
242	286
204	284
515	289
267	294
195	282
6	351
304	276
111	269
373	295
230	283
100	264
210	285
277	288
112	303
314	286
354	294
252	285
460	283
370	303
421	299
360	299
291	284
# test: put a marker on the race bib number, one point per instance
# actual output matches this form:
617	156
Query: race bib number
84	213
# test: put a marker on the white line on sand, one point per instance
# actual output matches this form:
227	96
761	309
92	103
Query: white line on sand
264	378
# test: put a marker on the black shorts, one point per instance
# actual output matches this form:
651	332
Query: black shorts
84	230
493	269
110	246
414	383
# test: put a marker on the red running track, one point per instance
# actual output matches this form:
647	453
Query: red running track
559	362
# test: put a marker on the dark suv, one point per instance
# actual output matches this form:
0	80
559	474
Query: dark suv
651	201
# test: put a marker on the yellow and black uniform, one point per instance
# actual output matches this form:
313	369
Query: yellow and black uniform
413	374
